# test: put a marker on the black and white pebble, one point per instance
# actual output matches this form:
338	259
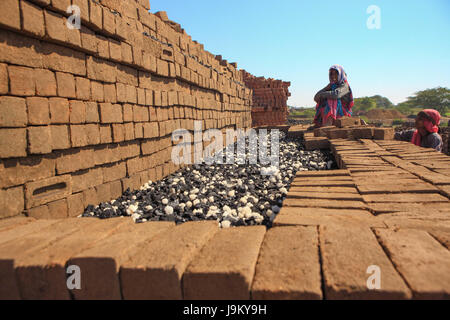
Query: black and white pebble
231	194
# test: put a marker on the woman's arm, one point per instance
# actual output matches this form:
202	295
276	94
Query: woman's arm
405	135
317	96
338	93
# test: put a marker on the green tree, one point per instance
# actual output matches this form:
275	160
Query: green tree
436	98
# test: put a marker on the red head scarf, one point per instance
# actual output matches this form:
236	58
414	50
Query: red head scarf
431	120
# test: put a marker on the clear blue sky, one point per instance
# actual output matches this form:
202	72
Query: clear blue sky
297	41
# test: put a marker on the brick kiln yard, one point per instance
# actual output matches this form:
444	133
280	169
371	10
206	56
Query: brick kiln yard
86	114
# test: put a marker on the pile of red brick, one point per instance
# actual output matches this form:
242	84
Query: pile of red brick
86	113
269	100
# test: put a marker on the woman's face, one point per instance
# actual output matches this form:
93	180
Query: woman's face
334	76
420	126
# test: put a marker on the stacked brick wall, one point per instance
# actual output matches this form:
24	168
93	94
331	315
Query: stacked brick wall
87	113
269	100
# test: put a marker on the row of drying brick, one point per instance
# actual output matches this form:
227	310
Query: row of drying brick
337	203
142	52
388	183
118	166
120	260
266	118
30	82
22	142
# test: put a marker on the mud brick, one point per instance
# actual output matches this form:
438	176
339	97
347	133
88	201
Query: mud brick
420	259
86	179
151	130
47	190
116	189
105	268
32	19
66	85
77	112
110	93
105	134
109	21
92	112
338	133
89	197
102	47
115	50
347	122
118	132
95	14
165	274
138	130
100	69
121	92
84	8
149	97
127	112
140	114
127	54
129	131
114	172
59	58
298	275
347	251
59	137
75	205
45	82
363	133
131	94
83	88
55	26
78	136
127	75
39	140
92	133
111	113
60	5
141	96
162	67
88	40
157	98
383	134
103	192
40	212
13	112
15	172
164	99
215	275
22	81
98	93
405	197
4	80
399	186
58	209
12	18
11	201
317	143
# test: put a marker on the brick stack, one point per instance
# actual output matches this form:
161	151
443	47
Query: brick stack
86	113
269	100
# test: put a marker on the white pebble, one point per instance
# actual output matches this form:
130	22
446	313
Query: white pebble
168	210
226	224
